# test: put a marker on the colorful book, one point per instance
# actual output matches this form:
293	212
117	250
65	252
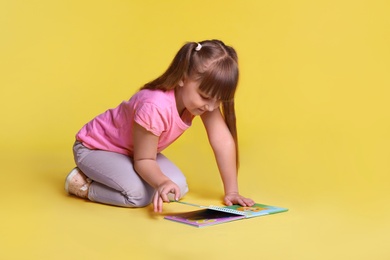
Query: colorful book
212	215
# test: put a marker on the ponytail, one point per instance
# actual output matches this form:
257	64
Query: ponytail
178	69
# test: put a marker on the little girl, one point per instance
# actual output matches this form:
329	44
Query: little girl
118	153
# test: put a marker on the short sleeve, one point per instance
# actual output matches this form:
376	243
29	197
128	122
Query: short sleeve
150	117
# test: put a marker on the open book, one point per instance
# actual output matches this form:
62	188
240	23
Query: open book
212	215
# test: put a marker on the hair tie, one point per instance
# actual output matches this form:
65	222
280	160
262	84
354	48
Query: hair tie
197	48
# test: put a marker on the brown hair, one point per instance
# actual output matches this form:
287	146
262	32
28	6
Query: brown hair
215	66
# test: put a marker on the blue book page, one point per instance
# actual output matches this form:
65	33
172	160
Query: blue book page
256	210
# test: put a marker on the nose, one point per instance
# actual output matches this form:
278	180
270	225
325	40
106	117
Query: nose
213	104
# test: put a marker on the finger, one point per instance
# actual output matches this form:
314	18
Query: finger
241	202
164	196
249	202
172	194
177	193
228	202
159	205
155	201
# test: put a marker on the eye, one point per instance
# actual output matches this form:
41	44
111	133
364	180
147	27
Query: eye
204	97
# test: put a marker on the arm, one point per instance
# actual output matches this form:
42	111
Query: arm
224	150
145	152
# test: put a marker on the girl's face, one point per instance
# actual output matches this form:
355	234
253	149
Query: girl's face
194	100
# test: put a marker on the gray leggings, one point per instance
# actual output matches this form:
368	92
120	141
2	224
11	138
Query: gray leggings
114	180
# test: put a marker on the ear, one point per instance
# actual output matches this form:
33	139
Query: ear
181	83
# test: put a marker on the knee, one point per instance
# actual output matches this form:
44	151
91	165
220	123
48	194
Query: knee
173	172
136	203
137	199
183	186
144	198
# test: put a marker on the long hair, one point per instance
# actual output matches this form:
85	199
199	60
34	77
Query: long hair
215	66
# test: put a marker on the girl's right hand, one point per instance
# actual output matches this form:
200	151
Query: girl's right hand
162	192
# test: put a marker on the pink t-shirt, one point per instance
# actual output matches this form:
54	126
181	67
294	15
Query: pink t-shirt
155	110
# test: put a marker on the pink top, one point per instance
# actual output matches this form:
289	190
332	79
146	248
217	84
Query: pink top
155	110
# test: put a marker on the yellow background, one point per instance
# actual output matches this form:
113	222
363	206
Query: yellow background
313	110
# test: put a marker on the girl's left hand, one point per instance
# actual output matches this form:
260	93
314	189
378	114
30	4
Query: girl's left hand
235	198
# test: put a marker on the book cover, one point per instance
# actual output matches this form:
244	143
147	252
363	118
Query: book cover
212	215
204	217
